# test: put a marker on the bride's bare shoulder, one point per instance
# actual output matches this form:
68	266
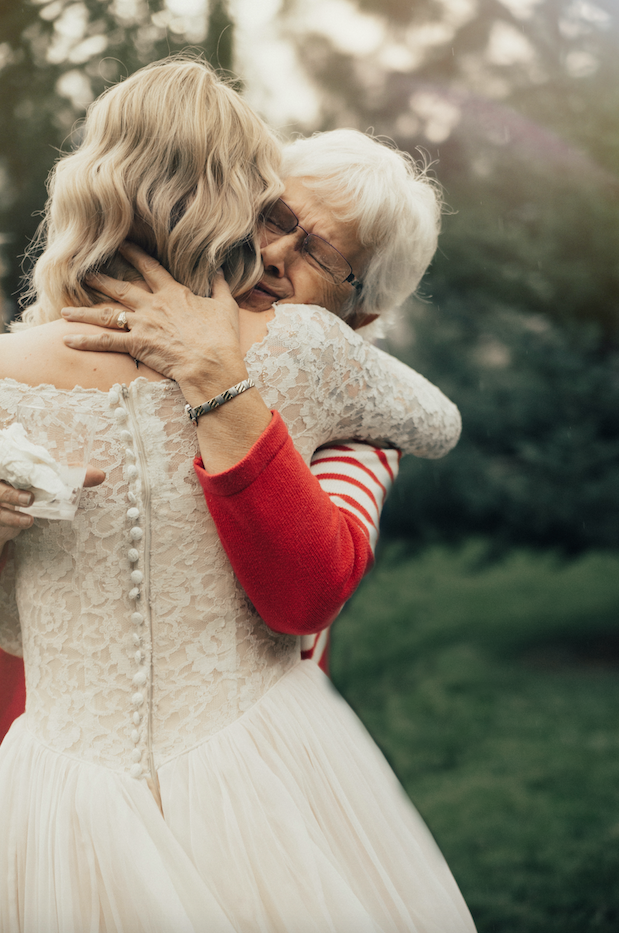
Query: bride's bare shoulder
37	356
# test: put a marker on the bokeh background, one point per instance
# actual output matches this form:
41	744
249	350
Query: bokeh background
483	651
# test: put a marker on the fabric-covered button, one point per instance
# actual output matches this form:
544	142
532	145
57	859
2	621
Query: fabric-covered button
137	618
139	656
121	415
137	699
134	593
129	454
137	719
135	736
136	754
133	513
139	679
136	533
133	555
137	576
136	639
135	771
131	496
113	396
132	471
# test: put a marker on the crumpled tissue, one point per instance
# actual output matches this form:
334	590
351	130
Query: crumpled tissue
29	466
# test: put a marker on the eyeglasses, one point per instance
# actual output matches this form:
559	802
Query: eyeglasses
280	220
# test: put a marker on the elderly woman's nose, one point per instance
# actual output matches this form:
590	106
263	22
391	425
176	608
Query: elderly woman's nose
281	251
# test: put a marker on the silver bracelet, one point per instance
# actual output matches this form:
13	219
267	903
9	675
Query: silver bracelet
194	413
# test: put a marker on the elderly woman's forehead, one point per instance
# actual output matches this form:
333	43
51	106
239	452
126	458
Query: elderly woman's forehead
303	190
320	217
316	207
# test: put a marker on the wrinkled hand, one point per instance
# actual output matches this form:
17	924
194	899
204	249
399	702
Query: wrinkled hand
171	330
12	522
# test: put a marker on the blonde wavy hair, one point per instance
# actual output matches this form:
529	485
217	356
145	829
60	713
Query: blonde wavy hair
172	159
393	200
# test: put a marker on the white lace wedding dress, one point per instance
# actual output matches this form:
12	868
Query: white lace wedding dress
148	671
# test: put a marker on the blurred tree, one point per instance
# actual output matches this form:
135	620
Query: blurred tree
517	103
55	58
538	461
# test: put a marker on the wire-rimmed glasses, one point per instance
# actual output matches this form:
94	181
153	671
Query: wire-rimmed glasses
281	220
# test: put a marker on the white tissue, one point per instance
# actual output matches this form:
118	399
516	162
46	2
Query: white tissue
28	466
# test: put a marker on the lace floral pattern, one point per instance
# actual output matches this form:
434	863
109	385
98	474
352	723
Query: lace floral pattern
138	640
328	383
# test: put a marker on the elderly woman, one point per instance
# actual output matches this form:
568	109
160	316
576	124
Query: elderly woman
345	195
178	767
315	556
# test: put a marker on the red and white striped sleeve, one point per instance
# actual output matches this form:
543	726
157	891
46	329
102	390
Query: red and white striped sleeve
357	478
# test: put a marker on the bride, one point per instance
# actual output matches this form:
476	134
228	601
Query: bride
178	768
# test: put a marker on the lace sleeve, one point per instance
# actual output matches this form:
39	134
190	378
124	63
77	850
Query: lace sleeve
349	388
10	629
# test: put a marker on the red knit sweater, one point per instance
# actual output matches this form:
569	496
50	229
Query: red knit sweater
297	555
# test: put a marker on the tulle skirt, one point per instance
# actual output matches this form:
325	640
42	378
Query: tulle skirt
287	821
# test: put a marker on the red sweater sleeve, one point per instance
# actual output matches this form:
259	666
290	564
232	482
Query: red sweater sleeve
12	690
297	556
12	684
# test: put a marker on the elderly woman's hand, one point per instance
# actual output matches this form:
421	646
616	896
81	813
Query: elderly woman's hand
169	329
12	521
193	340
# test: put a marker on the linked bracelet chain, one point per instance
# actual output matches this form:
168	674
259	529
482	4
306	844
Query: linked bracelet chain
194	413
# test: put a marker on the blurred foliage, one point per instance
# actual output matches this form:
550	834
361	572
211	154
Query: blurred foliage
538	461
56	57
491	688
516	104
524	138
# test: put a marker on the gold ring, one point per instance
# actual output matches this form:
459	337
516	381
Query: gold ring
121	321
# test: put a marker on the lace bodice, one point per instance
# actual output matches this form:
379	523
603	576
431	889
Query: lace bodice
138	640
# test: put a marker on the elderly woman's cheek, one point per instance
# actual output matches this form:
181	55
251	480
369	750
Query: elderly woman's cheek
334	297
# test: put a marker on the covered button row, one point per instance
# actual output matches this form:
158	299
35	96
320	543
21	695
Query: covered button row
140	678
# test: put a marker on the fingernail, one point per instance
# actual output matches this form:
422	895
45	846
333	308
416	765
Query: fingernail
66	312
71	341
24	498
25	521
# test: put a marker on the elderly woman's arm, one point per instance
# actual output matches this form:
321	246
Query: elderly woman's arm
190	339
244	453
196	342
297	555
299	540
12	690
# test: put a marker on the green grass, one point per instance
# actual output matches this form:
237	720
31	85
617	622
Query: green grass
493	689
